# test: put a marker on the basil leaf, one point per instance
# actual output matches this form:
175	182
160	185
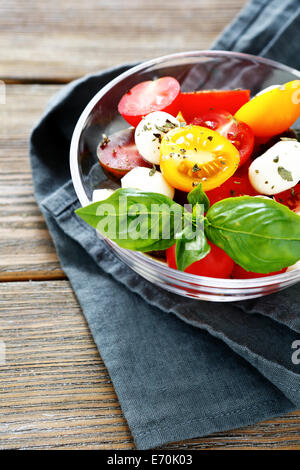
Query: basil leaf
259	234
135	219
198	196
191	246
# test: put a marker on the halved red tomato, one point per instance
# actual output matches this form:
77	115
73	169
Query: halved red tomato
239	133
118	153
193	104
290	198
237	185
216	264
240	273
152	95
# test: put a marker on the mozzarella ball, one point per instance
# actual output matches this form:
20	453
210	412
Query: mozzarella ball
101	194
149	133
147	180
278	169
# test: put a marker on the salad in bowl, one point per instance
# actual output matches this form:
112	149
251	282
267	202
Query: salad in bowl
201	183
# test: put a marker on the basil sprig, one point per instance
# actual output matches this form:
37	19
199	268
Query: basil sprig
191	242
259	234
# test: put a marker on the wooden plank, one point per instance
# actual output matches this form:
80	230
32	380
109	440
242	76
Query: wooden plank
55	391
62	40
26	249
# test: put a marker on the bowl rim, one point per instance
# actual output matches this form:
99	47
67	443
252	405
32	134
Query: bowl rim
137	256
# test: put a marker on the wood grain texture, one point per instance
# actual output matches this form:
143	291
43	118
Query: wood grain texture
65	39
55	391
26	249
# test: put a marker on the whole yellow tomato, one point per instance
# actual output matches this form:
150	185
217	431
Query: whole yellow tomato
272	112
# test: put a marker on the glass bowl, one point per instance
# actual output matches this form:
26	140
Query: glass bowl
196	70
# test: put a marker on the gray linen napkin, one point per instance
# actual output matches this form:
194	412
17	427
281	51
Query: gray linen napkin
225	365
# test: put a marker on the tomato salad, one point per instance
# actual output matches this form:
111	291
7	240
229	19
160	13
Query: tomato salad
233	155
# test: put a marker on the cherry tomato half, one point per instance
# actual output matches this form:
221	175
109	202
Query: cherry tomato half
118	153
192	154
216	264
152	95
234	187
272	112
239	133
290	198
193	104
240	273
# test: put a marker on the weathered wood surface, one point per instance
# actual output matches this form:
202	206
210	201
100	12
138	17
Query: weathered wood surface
55	391
60	40
26	250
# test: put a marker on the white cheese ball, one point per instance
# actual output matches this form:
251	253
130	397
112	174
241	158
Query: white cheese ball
278	169
149	133
147	180
101	194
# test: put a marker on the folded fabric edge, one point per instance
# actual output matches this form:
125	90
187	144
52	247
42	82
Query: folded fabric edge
210	424
63	94
234	31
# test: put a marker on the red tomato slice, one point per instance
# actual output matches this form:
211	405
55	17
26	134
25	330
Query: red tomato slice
236	185
118	153
238	133
157	95
196	103
240	273
216	264
290	198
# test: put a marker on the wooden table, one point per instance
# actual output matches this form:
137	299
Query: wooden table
55	391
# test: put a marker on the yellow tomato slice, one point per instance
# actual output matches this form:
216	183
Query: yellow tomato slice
193	154
274	111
